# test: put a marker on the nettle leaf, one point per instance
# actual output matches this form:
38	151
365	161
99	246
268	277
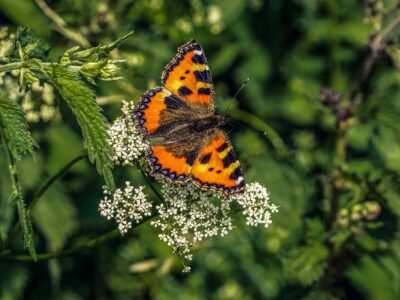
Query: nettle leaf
33	47
306	264
15	129
18	141
82	101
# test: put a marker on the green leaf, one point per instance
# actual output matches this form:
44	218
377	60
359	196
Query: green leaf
95	53
30	44
368	271
15	129
306	264
55	217
26	13
386	146
13	280
82	102
391	193
17	141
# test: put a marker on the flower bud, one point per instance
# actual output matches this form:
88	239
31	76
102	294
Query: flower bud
343	222
373	209
356	212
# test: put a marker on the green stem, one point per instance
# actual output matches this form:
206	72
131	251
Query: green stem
386	33
259	125
148	181
60	26
376	45
113	234
55	177
23	213
41	191
11	66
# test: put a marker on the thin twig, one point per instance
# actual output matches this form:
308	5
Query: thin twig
376	45
11	66
113	234
17	197
148	181
61	26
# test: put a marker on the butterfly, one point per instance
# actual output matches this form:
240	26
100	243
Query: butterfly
179	120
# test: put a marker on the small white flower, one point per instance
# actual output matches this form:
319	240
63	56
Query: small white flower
126	206
125	139
188	216
256	205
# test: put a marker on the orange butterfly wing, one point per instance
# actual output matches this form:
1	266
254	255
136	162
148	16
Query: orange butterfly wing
167	163
149	111
217	166
188	76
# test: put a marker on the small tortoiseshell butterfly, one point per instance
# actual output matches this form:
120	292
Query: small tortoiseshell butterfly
179	120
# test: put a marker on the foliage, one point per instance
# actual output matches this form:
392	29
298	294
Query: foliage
17	141
316	123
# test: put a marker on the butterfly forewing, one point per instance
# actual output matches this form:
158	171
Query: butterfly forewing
189	77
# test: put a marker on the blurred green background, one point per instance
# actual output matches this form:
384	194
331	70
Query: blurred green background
286	139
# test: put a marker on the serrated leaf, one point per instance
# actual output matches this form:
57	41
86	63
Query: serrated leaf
30	44
15	129
306	264
17	141
82	102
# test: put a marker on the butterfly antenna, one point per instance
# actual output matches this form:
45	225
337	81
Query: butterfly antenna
237	93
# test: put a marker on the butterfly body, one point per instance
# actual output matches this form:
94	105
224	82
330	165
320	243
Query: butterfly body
179	120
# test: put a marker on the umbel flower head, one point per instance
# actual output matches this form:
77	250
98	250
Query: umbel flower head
185	215
124	138
126	206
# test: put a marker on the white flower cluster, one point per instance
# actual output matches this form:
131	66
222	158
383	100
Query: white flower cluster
126	206
125	138
189	215
256	205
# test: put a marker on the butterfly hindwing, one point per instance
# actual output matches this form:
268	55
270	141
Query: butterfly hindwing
189	77
175	160
217	167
